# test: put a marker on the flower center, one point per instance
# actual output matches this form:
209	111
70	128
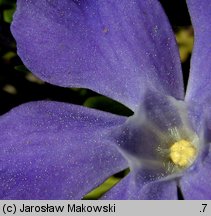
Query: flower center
160	138
182	153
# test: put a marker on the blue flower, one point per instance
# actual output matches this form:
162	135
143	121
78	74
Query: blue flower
126	51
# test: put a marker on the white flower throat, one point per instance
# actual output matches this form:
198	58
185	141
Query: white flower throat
159	137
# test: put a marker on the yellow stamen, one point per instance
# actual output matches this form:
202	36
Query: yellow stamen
182	153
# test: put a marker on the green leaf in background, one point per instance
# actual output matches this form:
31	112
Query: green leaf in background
99	191
8	15
21	68
107	104
185	38
8	56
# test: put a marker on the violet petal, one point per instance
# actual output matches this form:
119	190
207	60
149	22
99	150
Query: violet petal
200	73
116	48
196	184
52	150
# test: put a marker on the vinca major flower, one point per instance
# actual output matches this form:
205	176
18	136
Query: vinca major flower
125	50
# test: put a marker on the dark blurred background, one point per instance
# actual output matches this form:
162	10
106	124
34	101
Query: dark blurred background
18	85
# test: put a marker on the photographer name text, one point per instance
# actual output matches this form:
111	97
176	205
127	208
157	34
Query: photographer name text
109	208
